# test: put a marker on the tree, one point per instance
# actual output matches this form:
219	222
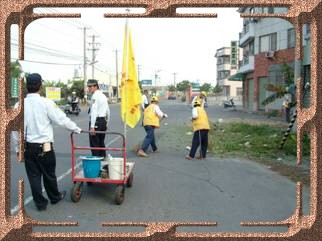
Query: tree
279	90
205	87
78	87
171	88
217	90
15	70
183	85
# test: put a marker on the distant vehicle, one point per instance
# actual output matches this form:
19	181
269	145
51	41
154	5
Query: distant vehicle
172	97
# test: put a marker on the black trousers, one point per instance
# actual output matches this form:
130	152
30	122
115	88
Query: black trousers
41	165
200	137
98	139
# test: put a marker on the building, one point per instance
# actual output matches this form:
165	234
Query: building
227	65
268	48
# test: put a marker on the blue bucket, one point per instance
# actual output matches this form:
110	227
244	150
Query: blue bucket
91	166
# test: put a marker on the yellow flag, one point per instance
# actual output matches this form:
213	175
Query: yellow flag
131	97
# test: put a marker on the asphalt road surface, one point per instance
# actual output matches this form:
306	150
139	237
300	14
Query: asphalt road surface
167	187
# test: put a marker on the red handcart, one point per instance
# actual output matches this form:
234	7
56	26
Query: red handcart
78	177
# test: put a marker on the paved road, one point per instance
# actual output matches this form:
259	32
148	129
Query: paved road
169	188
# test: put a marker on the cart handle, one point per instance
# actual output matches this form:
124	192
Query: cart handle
99	132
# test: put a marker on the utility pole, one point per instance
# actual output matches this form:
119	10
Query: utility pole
116	76
174	79
93	49
155	79
85	63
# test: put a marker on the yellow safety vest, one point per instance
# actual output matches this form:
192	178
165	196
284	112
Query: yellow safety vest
201	123
150	117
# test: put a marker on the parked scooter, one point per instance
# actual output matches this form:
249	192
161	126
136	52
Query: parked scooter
229	103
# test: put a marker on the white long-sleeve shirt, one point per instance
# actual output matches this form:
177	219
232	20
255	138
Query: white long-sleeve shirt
194	113
39	114
158	111
145	101
99	107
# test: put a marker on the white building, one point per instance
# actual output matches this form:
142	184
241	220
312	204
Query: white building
228	59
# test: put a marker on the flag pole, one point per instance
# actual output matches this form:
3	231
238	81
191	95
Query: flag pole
127	64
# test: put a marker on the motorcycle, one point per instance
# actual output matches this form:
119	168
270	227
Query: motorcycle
229	103
72	108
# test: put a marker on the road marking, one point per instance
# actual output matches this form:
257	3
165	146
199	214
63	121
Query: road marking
29	199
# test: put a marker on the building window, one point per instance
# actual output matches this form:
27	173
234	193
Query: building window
291	38
268	42
239	91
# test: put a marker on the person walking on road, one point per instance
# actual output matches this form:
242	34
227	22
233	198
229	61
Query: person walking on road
40	160
202	98
151	120
145	99
99	116
200	126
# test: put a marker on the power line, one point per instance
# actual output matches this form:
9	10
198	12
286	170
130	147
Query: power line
47	50
41	62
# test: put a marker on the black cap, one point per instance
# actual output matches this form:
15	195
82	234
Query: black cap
34	79
92	82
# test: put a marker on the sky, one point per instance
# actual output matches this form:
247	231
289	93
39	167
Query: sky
54	47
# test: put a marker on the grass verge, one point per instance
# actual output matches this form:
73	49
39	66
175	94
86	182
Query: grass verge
256	142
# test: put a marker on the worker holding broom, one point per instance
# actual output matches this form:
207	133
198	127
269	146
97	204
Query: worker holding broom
200	126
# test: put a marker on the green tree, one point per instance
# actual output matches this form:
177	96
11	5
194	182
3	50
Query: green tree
217	89
15	70
183	85
279	90
171	88
78	87
205	87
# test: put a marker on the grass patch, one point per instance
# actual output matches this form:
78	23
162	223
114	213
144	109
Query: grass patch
256	142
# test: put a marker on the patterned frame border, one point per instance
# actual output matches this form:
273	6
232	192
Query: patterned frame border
301	227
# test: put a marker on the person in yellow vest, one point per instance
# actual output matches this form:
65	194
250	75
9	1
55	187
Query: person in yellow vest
200	126
202	98
151	120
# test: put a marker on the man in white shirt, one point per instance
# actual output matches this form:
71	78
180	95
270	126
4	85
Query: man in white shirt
145	100
39	155
99	116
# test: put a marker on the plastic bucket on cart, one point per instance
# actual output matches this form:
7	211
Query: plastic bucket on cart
91	166
115	168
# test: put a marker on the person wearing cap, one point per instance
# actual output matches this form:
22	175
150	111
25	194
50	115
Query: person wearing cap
151	120
200	126
99	116
40	114
202	97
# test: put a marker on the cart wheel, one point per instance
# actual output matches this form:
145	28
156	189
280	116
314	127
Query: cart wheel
130	180
76	192
119	194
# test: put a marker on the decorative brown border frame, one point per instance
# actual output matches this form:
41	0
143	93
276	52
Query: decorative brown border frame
19	227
